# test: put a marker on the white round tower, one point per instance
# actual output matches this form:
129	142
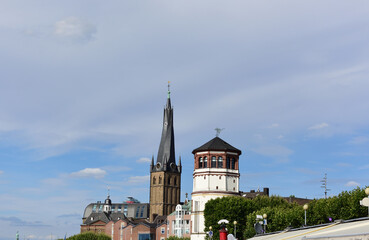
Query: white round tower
216	174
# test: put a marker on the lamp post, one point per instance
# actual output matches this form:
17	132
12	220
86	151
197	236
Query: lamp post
235	224
367	193
210	232
306	206
265	221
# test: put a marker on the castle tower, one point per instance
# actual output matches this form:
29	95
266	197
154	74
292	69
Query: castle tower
216	174
165	175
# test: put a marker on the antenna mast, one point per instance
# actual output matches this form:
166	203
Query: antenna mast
324	185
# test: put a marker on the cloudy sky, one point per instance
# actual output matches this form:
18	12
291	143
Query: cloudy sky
83	85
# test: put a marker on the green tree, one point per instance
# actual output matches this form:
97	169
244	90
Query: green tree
90	236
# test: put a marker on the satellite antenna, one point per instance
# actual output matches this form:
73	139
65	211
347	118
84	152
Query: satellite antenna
258	228
218	130
324	185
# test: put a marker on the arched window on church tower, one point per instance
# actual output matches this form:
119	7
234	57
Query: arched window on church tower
154	180
200	162
228	163
168	180
160	180
175	181
220	162
205	162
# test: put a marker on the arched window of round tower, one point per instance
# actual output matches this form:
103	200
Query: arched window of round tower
200	162
213	162
159	179
154	180
168	180
228	163
205	162
233	161
220	162
175	181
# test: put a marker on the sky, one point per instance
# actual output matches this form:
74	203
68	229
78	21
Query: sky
83	86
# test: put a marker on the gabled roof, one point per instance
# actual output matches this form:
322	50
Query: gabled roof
217	144
104	217
95	217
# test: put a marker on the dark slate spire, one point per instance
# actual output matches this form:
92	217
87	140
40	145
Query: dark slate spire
166	155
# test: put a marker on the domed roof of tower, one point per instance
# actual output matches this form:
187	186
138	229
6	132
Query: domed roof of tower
217	144
108	201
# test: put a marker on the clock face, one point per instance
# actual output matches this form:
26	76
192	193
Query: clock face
158	165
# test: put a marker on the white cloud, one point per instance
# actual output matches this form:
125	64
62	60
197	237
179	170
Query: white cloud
139	179
89	173
273	150
274	125
358	140
364	167
117	168
74	28
144	160
319	126
55	182
352	184
343	164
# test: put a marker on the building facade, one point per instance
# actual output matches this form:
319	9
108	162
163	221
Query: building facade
216	174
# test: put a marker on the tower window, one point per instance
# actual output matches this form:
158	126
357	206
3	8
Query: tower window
228	163
160	180
175	181
220	177
233	163
205	162
154	180
213	162
217	187
168	180
220	162
200	162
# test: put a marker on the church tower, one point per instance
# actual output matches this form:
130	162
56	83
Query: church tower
165	175
216	174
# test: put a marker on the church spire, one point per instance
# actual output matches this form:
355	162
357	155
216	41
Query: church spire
166	154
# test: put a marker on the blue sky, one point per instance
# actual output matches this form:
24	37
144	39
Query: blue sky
83	86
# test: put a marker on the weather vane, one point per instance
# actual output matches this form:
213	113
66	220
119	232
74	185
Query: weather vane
218	130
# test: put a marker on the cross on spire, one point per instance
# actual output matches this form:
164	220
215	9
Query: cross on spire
168	89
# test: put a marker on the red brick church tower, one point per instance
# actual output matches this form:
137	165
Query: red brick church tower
165	175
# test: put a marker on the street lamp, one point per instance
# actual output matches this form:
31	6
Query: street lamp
210	232
235	223
265	221
306	206
367	193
